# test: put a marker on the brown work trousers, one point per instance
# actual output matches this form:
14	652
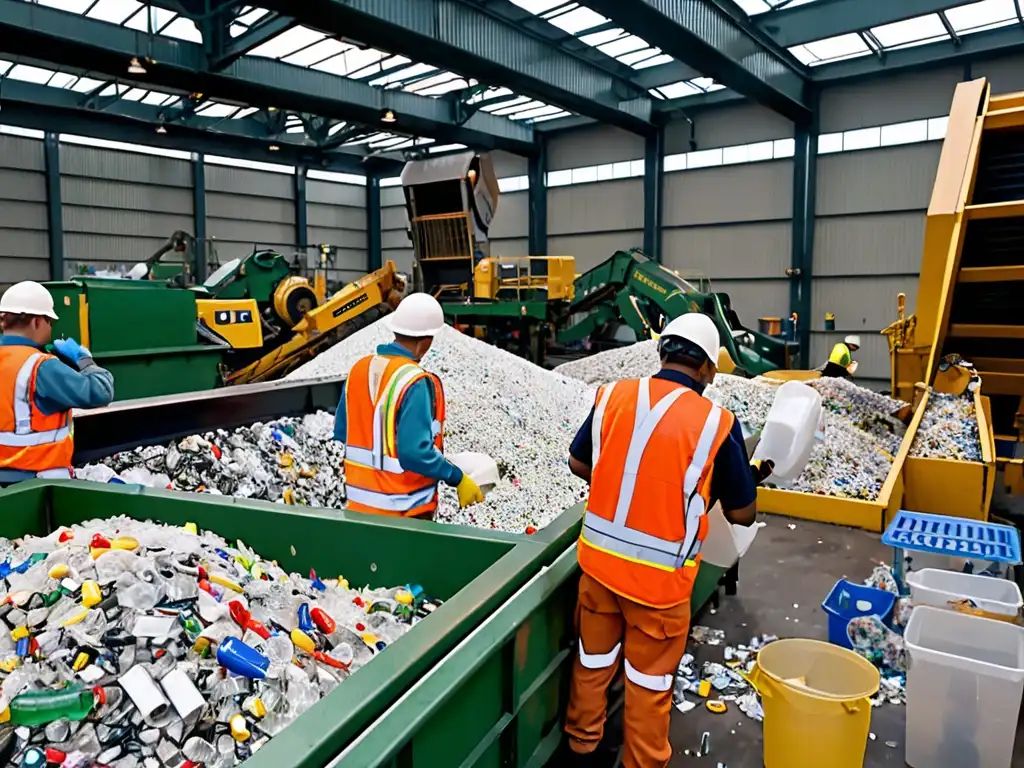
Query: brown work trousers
649	643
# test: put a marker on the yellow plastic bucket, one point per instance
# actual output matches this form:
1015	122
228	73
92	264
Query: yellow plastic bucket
817	707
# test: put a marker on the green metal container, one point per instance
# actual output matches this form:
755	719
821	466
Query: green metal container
162	371
474	571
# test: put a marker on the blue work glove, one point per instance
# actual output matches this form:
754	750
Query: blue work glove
72	350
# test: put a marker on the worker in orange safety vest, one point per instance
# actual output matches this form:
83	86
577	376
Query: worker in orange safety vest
391	420
656	453
38	390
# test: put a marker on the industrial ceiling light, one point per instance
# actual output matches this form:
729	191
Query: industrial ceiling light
387	116
160	129
135	67
273	148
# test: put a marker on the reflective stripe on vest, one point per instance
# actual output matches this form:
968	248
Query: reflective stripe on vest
385	416
23	436
615	536
392	502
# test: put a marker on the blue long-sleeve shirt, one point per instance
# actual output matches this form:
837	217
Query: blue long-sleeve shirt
415	441
61	388
731	479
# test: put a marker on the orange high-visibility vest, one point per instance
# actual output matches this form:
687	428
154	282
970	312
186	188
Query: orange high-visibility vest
30	441
374	477
655	444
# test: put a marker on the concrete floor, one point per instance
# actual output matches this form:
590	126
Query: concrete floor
783	568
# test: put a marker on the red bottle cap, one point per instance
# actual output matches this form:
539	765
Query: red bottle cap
322	620
99	542
215	450
360	627
55	756
65	536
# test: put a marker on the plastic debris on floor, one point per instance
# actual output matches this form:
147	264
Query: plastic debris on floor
716	683
518	413
862	433
139	645
290	460
948	429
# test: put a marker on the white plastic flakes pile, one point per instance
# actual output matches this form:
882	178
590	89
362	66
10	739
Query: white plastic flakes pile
862	436
948	429
519	414
294	461
139	645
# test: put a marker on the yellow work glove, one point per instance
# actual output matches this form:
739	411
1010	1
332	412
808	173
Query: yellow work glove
469	491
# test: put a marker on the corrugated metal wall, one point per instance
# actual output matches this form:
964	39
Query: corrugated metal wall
24	245
248	209
336	215
120	207
592	221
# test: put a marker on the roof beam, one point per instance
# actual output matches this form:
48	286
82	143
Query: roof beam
829	18
464	38
731	50
41	107
69	39
253	38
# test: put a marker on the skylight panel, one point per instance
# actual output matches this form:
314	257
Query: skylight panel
216	109
244	112
356	62
490	93
114	11
440	89
71	6
600	38
678	90
542	111
506	109
577	20
918	29
288	42
446	148
751	7
517	100
252	16
155	98
61	80
832	49
661	58
151	18
542	118
627	44
638	57
134	94
28	74
183	29
538	6
86	84
987	14
317	52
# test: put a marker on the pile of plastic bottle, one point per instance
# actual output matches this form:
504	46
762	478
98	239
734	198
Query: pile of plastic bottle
139	645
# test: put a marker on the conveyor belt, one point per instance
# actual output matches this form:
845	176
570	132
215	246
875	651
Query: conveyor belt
158	420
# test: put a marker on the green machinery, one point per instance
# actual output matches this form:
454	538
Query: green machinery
527	303
253	319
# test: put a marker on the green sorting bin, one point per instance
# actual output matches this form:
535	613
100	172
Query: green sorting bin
474	571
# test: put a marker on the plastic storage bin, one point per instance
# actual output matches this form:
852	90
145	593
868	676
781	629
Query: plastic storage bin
938	588
964	686
788	434
841	609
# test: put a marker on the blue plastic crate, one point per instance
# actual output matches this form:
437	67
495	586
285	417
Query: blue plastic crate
840	613
958	536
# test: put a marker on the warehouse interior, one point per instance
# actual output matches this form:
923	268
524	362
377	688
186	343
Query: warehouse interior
792	154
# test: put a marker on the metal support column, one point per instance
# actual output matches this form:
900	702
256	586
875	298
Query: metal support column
537	173
301	214
374	255
199	213
54	212
805	171
654	182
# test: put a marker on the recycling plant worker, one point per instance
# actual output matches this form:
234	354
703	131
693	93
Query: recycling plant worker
840	362
655	453
391	420
38	391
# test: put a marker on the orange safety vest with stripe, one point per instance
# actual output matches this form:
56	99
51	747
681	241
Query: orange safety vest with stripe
654	448
31	441
375	479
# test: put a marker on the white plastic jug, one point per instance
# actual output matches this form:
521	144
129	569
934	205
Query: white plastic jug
789	431
726	543
480	467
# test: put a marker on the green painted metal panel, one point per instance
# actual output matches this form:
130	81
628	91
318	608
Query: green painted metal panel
475	571
65	304
133	315
157	372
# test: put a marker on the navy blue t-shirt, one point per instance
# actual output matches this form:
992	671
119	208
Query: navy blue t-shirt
731	480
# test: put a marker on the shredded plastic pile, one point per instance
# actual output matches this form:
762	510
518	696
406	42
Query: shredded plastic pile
293	461
948	429
519	414
139	645
862	436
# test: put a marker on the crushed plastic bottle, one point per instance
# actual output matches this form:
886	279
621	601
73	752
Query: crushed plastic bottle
138	645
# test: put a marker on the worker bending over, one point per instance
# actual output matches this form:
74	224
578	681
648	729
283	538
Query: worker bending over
391	420
656	453
841	363
38	391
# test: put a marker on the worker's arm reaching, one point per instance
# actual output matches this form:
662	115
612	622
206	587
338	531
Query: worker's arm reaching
60	387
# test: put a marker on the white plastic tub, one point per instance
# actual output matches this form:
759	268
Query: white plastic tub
964	686
939	588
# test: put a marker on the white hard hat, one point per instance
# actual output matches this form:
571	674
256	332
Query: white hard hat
852	341
697	328
27	298
418	315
